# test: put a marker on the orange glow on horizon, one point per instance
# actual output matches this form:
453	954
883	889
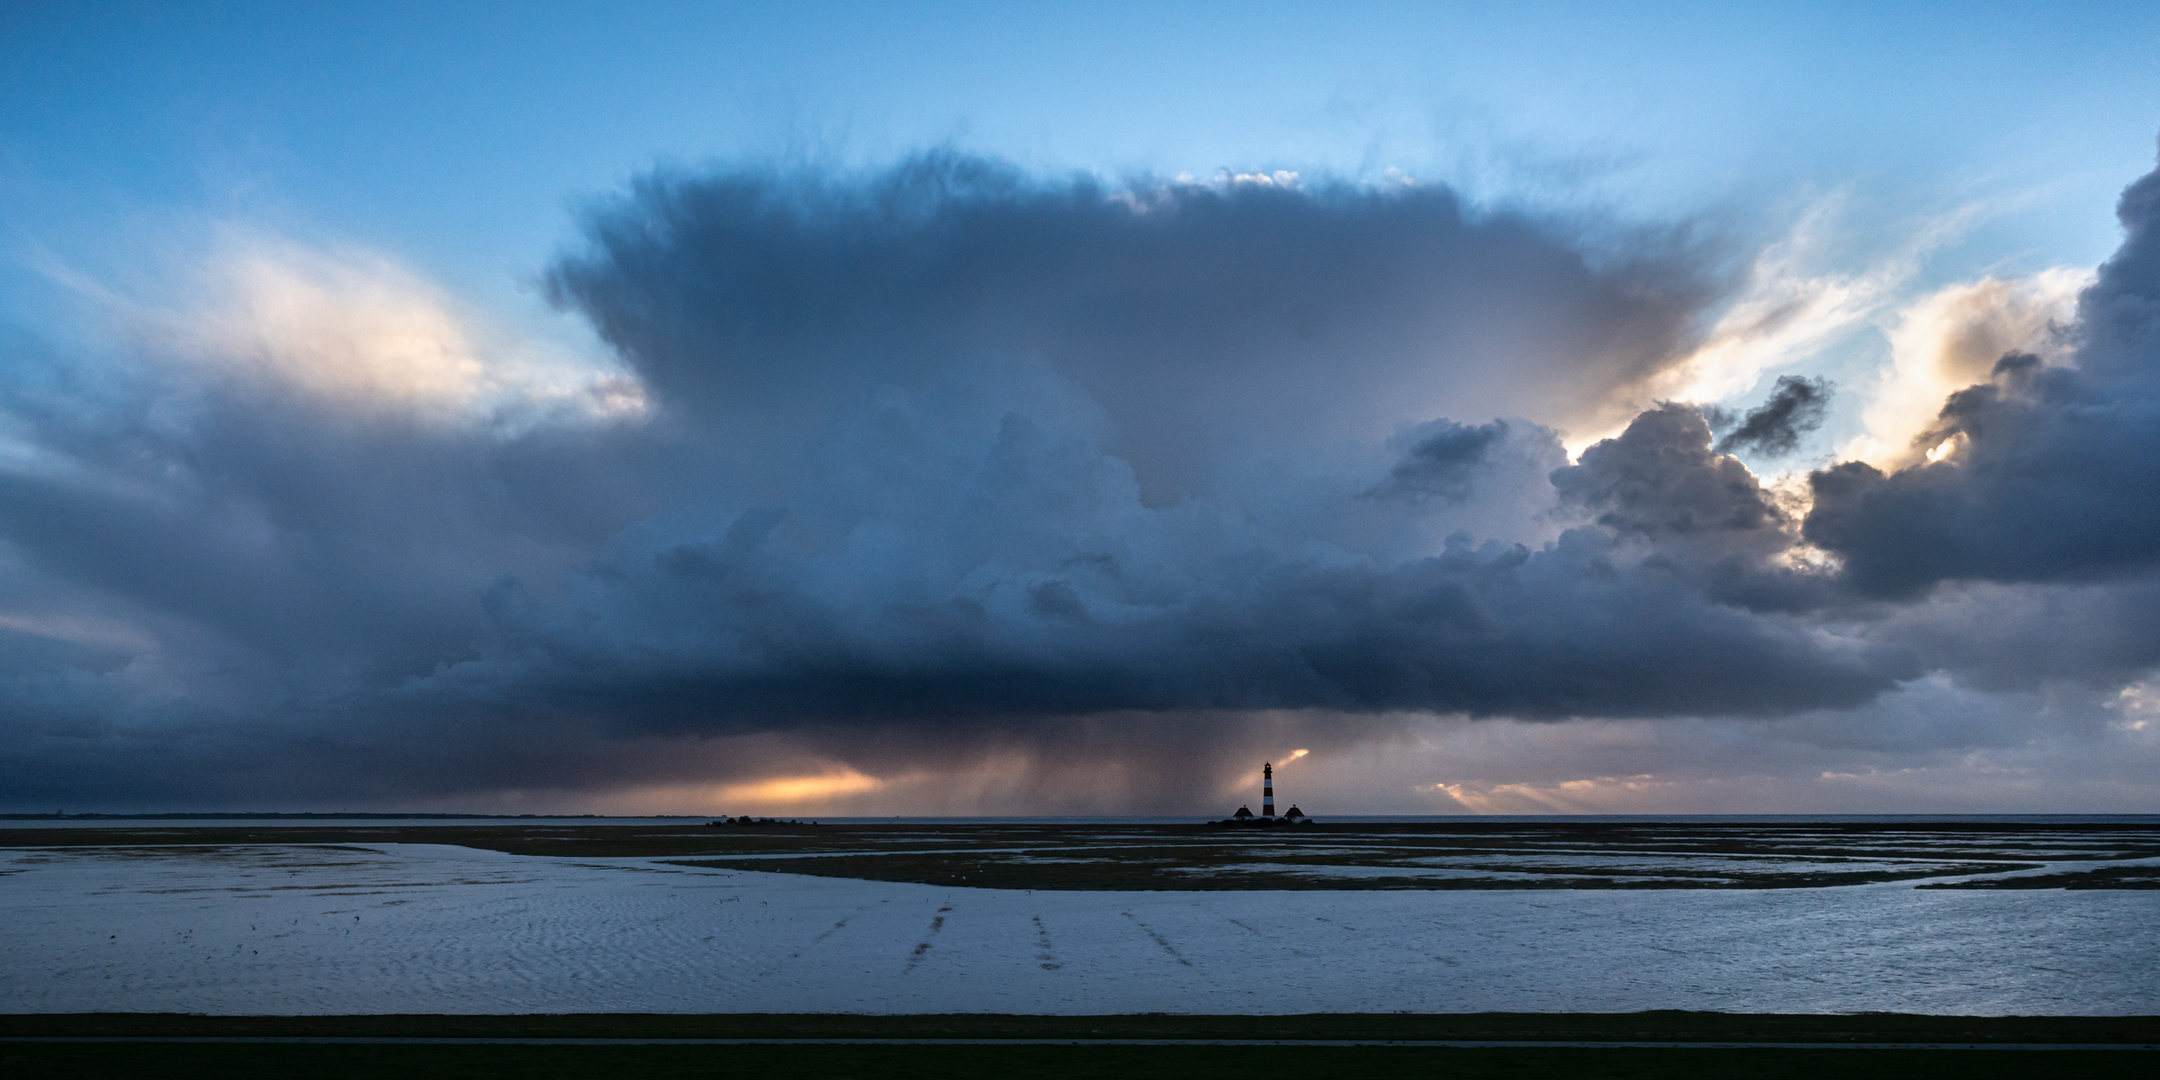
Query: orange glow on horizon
797	789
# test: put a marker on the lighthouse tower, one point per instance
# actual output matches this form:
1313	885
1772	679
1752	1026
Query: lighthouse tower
1267	790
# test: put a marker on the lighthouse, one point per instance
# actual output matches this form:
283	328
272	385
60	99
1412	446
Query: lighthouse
1266	818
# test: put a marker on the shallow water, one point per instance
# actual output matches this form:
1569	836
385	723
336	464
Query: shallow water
426	928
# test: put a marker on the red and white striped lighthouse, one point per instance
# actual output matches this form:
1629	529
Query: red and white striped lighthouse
1267	790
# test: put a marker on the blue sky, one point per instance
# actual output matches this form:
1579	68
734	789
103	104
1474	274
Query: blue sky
399	377
457	135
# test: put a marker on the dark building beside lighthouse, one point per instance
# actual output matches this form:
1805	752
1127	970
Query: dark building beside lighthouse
1266	817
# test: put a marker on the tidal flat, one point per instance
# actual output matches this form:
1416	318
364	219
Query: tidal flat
1472	854
1992	919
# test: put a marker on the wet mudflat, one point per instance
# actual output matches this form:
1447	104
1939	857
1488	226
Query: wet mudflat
353	925
1323	856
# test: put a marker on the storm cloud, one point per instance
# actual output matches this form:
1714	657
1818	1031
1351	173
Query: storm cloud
2041	474
1208	322
921	466
1796	407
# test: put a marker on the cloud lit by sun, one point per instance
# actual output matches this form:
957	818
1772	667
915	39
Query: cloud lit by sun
795	790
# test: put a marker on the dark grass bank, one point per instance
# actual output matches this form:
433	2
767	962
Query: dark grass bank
1044	1062
1653	1026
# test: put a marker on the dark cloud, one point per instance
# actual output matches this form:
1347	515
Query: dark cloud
1209	322
1493	630
1774	428
1695	514
1661	479
950	463
1443	462
291	531
2049	474
2024	638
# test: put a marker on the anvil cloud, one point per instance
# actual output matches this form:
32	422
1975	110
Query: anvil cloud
948	460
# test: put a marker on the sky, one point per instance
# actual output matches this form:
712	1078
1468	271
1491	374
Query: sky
1062	409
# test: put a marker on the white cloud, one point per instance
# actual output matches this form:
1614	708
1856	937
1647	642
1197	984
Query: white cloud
1796	304
1951	339
1793	306
358	331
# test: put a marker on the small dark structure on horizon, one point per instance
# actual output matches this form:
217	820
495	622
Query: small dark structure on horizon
1266	819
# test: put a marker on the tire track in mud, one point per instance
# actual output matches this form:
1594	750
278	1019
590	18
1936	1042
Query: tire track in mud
1159	939
1045	955
814	942
922	948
